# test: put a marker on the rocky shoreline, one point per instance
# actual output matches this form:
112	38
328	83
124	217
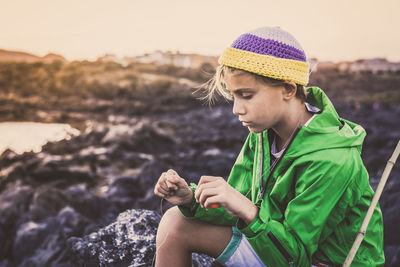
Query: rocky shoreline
75	192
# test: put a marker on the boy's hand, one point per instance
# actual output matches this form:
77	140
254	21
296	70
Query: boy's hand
213	190
174	189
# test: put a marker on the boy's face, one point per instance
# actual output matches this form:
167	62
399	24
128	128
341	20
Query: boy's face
259	106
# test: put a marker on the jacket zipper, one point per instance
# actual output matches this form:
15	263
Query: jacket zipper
261	162
279	246
264	189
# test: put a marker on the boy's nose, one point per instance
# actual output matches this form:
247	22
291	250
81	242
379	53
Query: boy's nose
238	109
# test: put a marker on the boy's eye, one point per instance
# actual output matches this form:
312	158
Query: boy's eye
246	95
240	94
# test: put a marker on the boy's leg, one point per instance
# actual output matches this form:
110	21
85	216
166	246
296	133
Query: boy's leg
178	237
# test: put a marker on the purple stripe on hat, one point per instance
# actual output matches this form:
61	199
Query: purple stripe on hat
253	43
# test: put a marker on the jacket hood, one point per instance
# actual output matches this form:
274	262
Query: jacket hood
326	131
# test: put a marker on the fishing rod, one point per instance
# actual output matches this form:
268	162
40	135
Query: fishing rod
374	202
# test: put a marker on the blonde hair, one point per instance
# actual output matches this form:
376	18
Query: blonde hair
216	85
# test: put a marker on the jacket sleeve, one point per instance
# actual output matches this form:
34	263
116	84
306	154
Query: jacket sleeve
318	188
240	177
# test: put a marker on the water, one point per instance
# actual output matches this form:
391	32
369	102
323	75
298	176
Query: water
31	136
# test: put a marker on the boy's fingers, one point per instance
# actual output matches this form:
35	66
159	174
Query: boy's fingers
164	186
212	202
204	185
172	172
159	192
173	179
170	180
171	185
206	194
166	182
176	181
162	178
200	190
159	187
173	175
162	182
162	190
207	179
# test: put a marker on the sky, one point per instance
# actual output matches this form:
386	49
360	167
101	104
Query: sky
86	29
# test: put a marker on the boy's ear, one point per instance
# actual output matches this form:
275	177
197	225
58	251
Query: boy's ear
290	89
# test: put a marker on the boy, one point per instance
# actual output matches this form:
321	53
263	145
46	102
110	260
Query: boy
298	191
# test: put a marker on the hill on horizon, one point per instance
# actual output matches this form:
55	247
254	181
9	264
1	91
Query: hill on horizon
19	56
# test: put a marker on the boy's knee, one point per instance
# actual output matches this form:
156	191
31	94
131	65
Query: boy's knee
172	212
172	220
172	217
171	223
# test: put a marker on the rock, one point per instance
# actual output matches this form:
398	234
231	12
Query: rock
47	201
149	201
129	241
29	238
7	157
71	222
124	191
392	255
83	201
5	263
14	203
390	203
44	243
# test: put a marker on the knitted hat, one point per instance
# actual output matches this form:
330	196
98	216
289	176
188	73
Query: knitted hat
268	51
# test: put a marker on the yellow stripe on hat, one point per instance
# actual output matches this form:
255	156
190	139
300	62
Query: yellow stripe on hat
265	65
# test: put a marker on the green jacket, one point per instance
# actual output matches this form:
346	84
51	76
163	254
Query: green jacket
316	197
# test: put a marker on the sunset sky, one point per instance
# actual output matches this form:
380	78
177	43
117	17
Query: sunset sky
86	29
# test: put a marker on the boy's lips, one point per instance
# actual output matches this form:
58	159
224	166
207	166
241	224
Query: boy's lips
246	123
